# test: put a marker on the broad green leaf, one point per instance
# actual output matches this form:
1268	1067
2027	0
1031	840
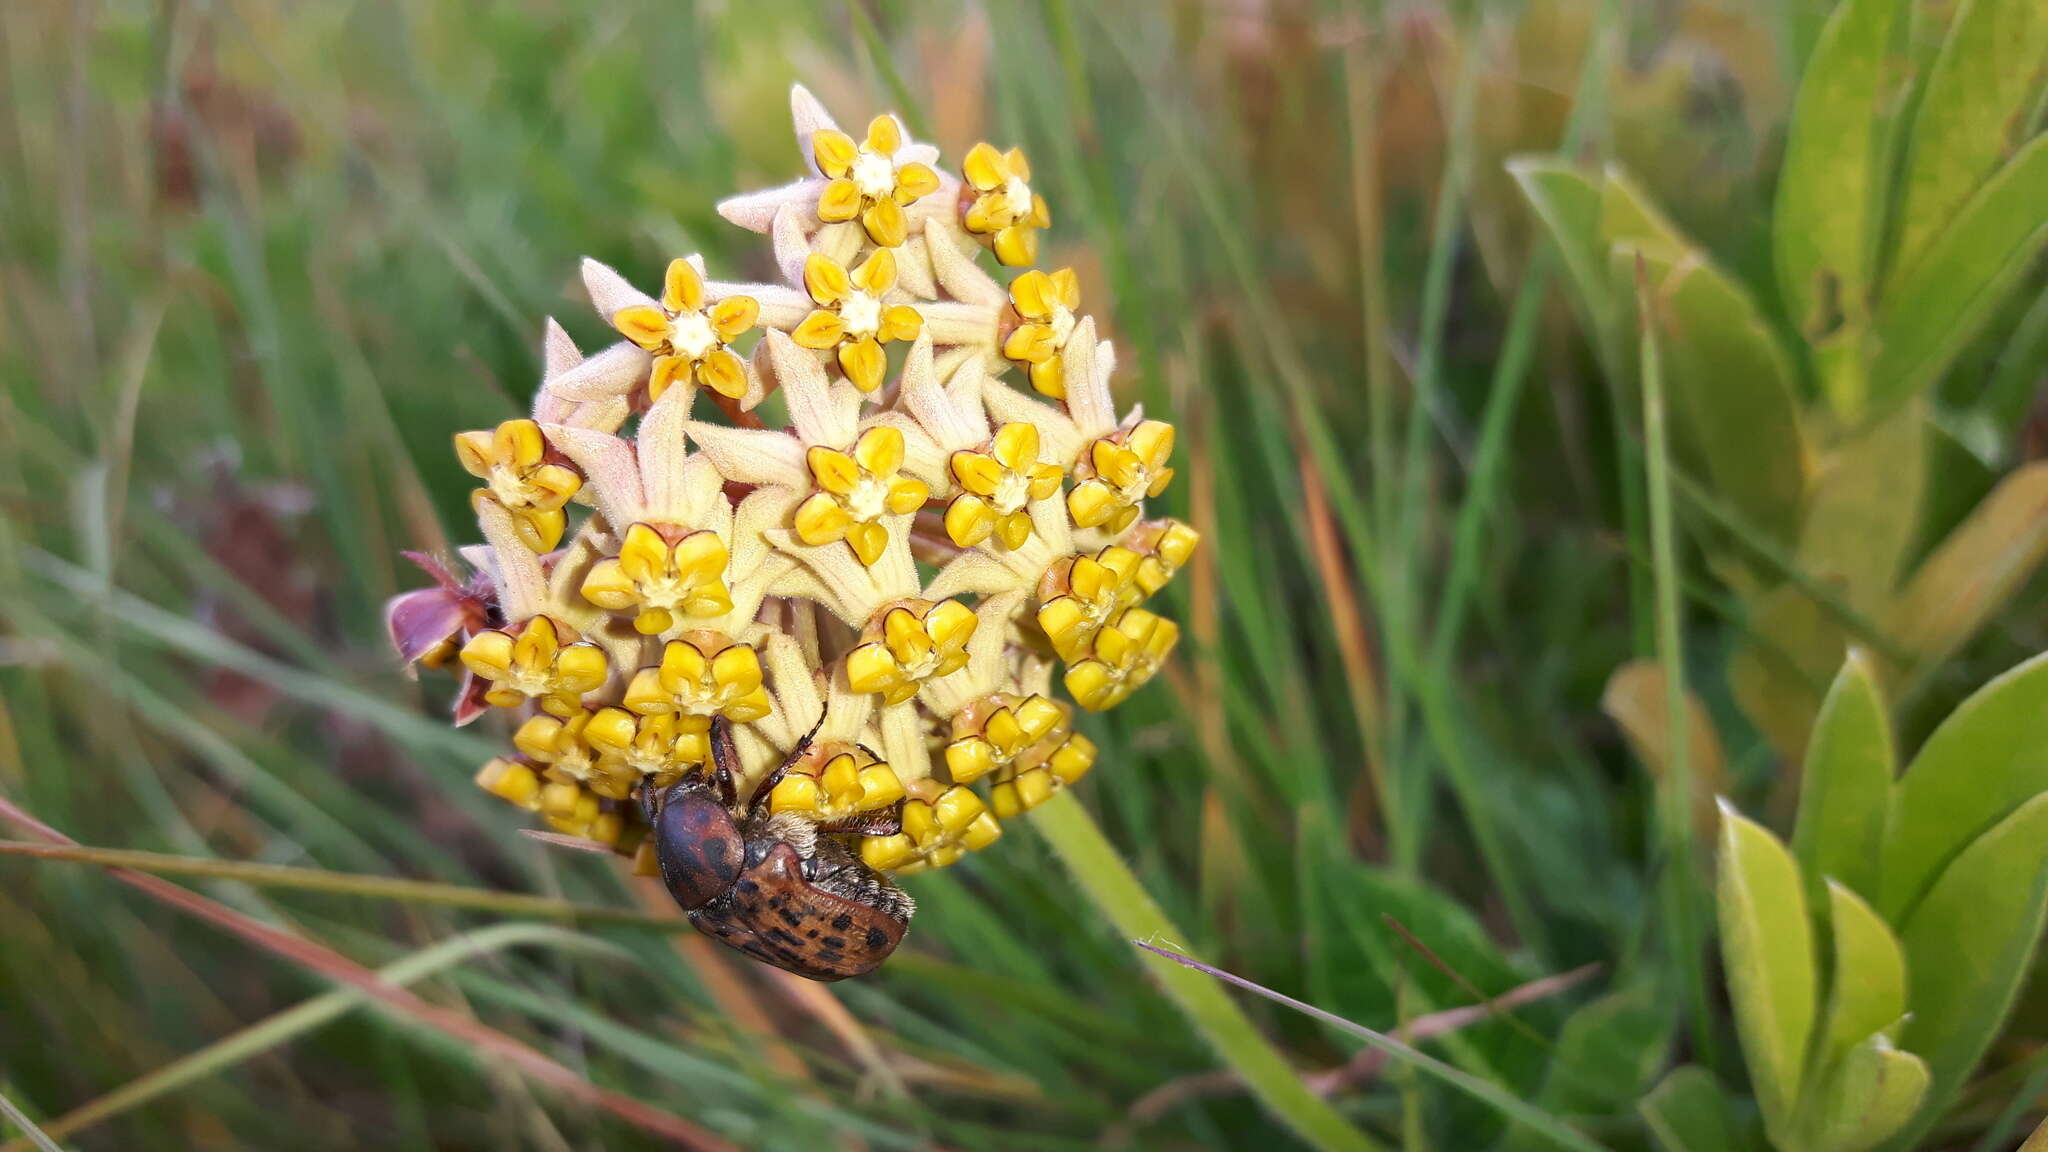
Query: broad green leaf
1567	201
1830	194
1634	700
1629	216
1969	944
1869	1094
1986	760
1609	1050
1970	575
1689	1112
1779	673
1971	113
1863	508
1767	952
1730	383
1934	307
1846	786
1867	992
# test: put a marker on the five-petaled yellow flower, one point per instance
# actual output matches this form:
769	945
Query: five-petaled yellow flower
940	825
1005	213
534	664
999	486
867	181
1119	473
564	745
513	462
701	675
845	784
662	583
1126	655
1021	789
1045	305
851	317
1080	597
907	646
997	733
687	339
657	748
855	491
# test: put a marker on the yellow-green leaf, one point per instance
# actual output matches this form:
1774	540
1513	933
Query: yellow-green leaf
1935	306
1972	111
1869	1094
1767	952
1780	672
1986	760
1845	791
1863	509
1829	191
1634	700
1867	992
1976	569
1688	1112
1969	944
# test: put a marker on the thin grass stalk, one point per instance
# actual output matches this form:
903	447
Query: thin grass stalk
1493	1095
393	888
1116	893
1681	878
32	1136
282	1028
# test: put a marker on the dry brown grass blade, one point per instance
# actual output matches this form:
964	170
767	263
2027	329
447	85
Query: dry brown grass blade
319	958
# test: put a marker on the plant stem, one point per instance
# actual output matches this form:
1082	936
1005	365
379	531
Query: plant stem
394	888
1679	874
1116	893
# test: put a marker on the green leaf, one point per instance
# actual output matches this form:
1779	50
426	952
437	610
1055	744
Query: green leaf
1829	191
1938	304
1767	952
1868	991
1969	944
1608	1051
1870	1093
1863	509
1689	1112
1780	670
1986	760
1567	201
1730	383
1845	791
1975	570
1629	216
1971	114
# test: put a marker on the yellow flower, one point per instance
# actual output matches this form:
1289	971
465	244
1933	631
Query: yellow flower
855	491
848	782
909	644
1005	214
996	734
512	461
1019	791
701	675
574	810
1119	473
1080	596
511	781
687	339
1126	655
1045	305
564	745
534	664
658	748
1163	545
851	317
999	486
660	583
940	825
868	182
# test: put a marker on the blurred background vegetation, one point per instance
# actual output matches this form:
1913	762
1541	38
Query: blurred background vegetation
259	260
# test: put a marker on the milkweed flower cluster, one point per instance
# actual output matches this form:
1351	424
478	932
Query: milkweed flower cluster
908	574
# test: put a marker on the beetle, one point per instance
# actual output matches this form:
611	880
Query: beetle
775	886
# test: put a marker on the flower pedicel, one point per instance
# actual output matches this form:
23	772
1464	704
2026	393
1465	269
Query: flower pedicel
718	647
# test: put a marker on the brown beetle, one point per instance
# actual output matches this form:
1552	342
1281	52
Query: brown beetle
774	886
